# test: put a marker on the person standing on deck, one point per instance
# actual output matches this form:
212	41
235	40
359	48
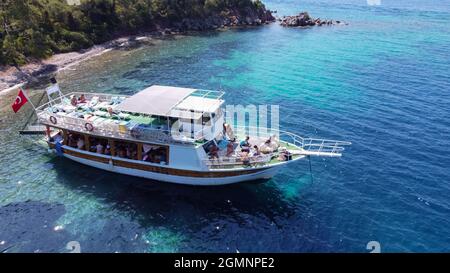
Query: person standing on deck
80	143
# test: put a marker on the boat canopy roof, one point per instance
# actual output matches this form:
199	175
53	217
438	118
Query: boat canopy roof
173	102
155	100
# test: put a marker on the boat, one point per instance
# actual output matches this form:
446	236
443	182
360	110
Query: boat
170	134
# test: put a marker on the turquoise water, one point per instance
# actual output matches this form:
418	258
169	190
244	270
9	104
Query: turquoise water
381	82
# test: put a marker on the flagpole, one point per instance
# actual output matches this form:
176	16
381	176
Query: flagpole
28	98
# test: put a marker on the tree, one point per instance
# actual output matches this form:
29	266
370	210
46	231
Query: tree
39	28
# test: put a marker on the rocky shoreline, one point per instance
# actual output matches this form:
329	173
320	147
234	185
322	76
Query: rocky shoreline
303	19
230	18
12	76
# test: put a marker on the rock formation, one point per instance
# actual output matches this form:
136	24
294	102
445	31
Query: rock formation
303	19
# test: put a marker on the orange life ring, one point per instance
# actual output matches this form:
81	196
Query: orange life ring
89	127
53	120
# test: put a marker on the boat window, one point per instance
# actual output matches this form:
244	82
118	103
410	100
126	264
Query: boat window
76	140
99	145
172	121
155	153
205	119
125	149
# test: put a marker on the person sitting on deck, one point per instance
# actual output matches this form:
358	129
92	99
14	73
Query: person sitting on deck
230	149
82	99
245	158
108	150
99	148
268	147
80	143
163	157
74	101
121	152
245	144
228	132
284	155
274	142
72	141
214	152
147	153
133	153
256	152
110	111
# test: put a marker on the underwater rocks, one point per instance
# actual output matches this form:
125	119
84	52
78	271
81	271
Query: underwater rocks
303	19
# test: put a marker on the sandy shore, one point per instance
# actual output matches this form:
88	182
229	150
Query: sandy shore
11	77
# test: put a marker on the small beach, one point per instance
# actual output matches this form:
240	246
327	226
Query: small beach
12	78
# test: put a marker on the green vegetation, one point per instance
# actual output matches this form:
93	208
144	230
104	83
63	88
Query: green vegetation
39	28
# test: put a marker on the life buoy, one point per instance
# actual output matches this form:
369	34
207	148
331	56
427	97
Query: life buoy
89	127
53	120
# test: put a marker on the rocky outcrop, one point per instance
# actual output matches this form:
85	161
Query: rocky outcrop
303	19
229	18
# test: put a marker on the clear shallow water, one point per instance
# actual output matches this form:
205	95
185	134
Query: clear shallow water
381	82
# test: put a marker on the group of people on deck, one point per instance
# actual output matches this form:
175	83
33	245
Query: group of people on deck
75	101
123	149
126	150
155	155
101	146
76	141
247	151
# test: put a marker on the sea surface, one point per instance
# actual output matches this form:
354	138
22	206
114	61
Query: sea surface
381	82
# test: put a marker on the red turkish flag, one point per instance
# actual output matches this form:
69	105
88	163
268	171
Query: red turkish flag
21	99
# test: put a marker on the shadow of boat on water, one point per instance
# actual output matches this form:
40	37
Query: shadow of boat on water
151	197
141	215
190	217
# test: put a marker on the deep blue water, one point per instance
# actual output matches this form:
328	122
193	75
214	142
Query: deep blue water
381	82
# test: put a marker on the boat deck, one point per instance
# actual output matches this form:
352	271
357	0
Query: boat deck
99	110
235	161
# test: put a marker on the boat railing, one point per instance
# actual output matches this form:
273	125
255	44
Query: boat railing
89	96
232	162
294	143
112	128
308	146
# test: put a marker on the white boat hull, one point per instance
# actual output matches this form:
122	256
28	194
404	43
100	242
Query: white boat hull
264	173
